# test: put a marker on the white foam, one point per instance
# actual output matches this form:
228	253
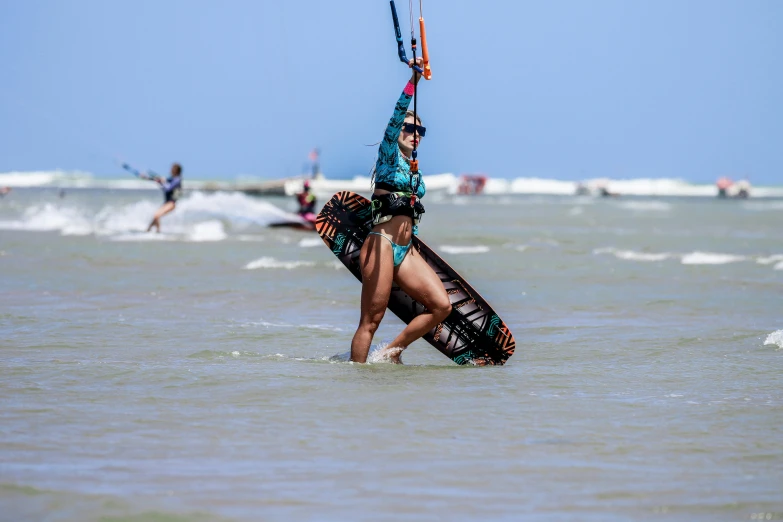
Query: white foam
270	262
144	236
41	178
775	339
198	217
652	187
48	217
710	258
310	242
267	324
454	250
381	353
238	209
132	217
541	186
776	258
632	255
207	231
646	206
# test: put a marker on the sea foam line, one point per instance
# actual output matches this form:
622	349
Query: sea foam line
710	258
271	262
631	255
692	258
775	339
454	250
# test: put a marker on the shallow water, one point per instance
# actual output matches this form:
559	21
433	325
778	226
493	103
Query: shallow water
187	377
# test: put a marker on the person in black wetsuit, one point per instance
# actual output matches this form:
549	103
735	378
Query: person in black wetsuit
172	188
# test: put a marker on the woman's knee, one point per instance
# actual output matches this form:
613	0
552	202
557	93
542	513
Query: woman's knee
371	322
441	308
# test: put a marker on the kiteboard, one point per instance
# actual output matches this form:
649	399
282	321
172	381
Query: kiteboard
302	222
295	225
472	334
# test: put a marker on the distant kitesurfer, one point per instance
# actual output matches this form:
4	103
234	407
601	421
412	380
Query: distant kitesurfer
172	188
387	255
307	202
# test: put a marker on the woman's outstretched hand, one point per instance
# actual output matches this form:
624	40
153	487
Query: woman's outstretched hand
416	74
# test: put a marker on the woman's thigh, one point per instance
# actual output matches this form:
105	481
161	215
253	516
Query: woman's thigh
377	267
419	280
165	209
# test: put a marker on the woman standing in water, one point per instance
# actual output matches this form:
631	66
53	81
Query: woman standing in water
172	188
386	255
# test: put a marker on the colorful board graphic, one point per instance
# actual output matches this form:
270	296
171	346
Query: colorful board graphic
472	334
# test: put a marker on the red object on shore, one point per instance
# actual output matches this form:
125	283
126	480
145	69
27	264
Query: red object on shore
472	184
724	183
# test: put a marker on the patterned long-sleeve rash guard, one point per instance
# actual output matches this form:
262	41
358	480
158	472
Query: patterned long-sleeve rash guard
392	169
172	188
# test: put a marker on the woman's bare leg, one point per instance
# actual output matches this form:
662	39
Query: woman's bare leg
419	280
377	266
162	211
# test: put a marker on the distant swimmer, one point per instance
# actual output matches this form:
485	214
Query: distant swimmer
172	189
4	191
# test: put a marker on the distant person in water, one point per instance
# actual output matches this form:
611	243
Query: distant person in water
172	188
4	191
743	189
723	185
604	191
307	202
581	189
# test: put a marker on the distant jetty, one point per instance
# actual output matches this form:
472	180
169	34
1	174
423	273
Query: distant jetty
256	188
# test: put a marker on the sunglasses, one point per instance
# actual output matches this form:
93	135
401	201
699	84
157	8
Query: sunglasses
410	127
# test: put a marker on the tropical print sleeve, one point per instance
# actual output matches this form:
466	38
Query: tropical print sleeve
388	151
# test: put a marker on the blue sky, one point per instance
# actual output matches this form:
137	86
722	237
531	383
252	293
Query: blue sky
565	89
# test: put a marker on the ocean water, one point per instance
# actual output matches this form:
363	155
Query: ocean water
189	375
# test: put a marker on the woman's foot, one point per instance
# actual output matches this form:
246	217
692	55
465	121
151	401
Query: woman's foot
385	353
392	354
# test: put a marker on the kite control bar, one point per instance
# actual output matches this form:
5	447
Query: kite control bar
140	175
425	55
400	45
